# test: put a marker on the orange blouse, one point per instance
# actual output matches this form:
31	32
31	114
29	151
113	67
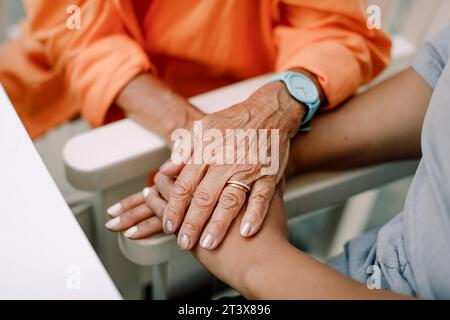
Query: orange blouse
53	73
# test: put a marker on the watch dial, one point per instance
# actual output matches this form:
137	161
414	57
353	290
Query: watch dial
303	88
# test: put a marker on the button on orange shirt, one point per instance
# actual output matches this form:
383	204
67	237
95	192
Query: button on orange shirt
53	73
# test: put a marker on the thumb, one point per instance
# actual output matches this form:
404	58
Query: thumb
171	169
178	159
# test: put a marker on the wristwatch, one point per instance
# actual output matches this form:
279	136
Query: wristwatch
302	89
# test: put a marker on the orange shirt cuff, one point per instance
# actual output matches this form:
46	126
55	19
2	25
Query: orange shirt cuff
98	74
335	66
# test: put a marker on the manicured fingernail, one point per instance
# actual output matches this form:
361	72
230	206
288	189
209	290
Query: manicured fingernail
166	164
146	192
114	210
131	232
168	226
245	229
207	241
112	223
184	242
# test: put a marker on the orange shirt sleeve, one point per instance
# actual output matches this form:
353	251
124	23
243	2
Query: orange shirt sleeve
330	39
95	61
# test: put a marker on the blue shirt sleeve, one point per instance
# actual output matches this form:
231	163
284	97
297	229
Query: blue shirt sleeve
433	56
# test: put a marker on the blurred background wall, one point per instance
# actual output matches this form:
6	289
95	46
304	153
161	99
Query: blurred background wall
398	16
11	11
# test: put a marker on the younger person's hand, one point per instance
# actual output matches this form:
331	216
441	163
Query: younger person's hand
234	260
136	217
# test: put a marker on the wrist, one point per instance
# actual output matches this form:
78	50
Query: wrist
262	268
302	89
315	80
288	101
291	111
149	101
130	98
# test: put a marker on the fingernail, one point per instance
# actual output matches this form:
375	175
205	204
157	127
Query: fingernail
112	223
146	192
114	210
207	241
245	229
166	164
168	226
184	242
131	232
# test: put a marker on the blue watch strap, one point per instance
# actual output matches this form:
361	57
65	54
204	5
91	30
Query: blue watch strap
311	112
312	106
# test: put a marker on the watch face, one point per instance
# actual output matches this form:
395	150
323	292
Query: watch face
303	88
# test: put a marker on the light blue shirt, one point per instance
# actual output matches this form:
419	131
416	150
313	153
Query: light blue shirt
413	249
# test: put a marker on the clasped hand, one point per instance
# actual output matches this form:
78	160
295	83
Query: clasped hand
203	203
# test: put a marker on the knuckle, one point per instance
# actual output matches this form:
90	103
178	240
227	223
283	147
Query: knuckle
160	181
127	202
229	200
218	226
151	199
203	199
191	227
129	215
161	210
181	189
262	197
171	212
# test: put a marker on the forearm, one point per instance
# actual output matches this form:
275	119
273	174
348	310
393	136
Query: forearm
292	274
383	124
267	266
150	102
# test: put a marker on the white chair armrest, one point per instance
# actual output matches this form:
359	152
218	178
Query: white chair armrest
325	189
